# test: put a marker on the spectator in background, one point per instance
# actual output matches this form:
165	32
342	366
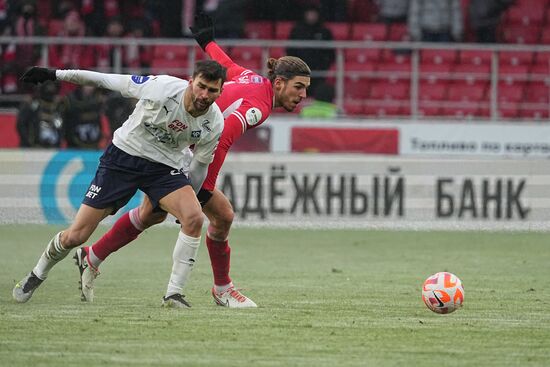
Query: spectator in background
435	20
18	56
82	118
312	28
105	53
39	121
228	16
322	106
485	17
393	11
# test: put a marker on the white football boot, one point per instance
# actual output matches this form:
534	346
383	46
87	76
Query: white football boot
232	298
87	275
175	301
23	290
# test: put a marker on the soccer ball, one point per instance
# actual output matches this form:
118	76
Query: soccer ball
443	292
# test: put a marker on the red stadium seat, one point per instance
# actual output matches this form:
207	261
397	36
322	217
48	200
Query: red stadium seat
362	55
356	88
545	38
170	52
354	107
475	57
513	74
515	58
466	92
375	108
55	27
508	109
259	30
428	108
172	67
437	71
542	57
525	15
537	92
395	56
510	93
521	34
388	90
277	52
369	32
282	29
432	91
340	30
398	32
472	73
463	110
533	112
438	56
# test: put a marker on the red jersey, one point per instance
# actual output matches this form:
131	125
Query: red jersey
246	102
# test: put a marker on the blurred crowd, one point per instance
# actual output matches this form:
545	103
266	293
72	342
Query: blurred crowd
426	20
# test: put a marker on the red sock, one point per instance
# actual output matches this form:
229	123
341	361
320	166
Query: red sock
220	257
122	233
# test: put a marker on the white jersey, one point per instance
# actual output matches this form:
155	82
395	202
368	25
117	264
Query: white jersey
159	129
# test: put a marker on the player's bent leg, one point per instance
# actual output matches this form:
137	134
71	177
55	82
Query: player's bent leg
58	248
220	214
184	205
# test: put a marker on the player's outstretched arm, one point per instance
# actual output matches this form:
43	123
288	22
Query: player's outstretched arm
203	32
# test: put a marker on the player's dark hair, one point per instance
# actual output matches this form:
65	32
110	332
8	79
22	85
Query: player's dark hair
210	70
287	67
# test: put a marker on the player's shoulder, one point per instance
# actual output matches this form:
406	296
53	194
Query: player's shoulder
164	85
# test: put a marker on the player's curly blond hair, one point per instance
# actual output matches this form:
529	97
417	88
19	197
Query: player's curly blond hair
286	67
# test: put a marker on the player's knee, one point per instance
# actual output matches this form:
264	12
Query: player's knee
150	219
192	223
221	224
74	237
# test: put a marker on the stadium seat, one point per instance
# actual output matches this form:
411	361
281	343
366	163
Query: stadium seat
340	30
277	52
467	109
356	88
432	91
521	34
437	71
545	38
362	55
282	29
508	109
379	109
395	56
428	109
515	58
542	58
466	92
472	73
171	67
533	112
438	56
389	90
259	30
525	14
369	32
170	52
537	92
513	74
510	93
475	57
354	107
55	27
398	32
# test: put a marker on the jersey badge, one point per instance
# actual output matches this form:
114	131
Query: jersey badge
195	134
139	79
256	79
253	116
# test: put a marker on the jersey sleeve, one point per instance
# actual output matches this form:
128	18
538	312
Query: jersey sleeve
133	86
247	116
216	53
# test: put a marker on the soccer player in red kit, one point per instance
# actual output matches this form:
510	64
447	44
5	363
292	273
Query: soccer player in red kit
246	102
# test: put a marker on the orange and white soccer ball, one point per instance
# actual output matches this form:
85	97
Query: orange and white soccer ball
443	292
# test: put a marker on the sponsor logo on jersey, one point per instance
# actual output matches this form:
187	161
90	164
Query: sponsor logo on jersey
177	125
195	134
253	116
256	79
139	79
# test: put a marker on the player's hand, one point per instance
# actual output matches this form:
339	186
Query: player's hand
203	30
36	75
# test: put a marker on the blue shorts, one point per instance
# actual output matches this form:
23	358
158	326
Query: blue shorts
120	175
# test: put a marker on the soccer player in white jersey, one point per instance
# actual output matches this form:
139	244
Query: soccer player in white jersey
146	154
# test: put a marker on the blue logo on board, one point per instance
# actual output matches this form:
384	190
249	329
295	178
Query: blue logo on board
139	79
61	185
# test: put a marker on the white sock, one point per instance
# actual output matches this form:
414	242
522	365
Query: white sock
93	259
184	255
53	254
222	288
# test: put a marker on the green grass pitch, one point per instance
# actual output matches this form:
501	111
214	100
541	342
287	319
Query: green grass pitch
327	298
